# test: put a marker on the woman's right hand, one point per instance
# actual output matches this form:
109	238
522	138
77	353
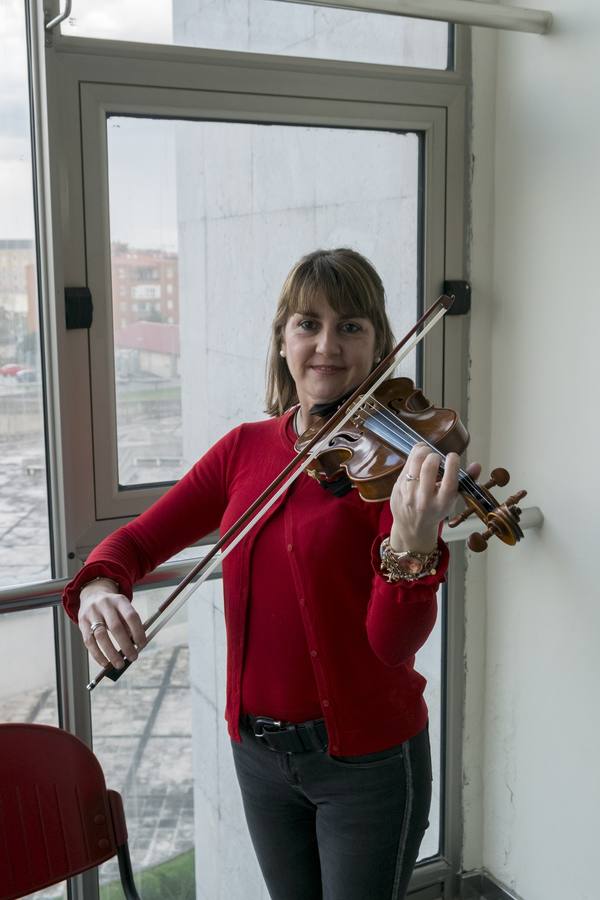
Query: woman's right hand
112	614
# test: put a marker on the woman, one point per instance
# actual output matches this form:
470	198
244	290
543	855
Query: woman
327	601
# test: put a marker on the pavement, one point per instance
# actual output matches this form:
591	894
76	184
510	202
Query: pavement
142	737
142	724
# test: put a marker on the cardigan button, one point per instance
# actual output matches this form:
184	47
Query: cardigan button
290	548
313	653
325	703
302	601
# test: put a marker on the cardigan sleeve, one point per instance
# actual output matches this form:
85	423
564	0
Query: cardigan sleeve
401	615
191	509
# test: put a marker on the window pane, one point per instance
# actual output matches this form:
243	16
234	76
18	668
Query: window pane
206	220
267	26
27	647
24	533
428	662
142	728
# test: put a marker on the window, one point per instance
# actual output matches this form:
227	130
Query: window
172	406
317	152
268	26
24	528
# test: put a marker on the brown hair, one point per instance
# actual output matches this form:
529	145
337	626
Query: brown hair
351	285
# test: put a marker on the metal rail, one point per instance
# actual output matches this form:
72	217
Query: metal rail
459	12
47	593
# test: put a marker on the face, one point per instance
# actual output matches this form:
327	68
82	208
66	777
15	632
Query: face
327	353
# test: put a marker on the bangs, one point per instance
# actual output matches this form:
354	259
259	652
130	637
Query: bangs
339	288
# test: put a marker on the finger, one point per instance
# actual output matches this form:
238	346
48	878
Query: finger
449	483
474	470
91	642
121	635
134	623
108	648
414	461
429	476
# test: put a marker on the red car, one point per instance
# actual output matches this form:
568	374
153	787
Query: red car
11	369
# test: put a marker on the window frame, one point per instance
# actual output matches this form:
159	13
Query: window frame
61	66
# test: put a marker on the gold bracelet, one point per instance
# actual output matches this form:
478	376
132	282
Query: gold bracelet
407	565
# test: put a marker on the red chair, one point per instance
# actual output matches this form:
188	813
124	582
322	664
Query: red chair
57	818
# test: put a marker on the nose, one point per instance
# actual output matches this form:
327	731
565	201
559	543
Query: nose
328	343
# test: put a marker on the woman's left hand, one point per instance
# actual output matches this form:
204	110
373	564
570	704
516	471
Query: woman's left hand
420	500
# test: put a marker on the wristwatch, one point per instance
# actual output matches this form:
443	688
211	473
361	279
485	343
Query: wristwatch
407	565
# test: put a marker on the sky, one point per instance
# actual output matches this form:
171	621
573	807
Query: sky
149	20
151	172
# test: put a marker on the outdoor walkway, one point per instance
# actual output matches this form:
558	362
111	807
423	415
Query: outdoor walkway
142	737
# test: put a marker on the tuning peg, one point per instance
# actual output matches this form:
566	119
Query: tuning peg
478	541
461	518
512	501
498	478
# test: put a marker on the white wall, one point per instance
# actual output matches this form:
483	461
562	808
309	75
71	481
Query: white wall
531	809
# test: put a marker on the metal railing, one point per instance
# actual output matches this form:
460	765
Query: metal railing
48	593
458	12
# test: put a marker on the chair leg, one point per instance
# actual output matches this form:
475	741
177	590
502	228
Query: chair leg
126	873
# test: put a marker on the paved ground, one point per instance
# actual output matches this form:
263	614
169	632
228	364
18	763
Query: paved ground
142	736
147	455
142	724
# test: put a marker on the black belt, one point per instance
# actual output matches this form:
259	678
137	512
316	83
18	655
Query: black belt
288	737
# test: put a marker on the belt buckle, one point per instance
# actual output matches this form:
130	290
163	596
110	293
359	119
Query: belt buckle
263	726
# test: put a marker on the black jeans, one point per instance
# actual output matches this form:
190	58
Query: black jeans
327	828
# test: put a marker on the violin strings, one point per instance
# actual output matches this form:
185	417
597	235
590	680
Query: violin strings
408	438
402	429
412	437
403	432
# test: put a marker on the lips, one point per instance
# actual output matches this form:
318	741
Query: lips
327	370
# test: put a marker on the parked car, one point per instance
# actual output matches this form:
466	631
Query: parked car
26	375
11	369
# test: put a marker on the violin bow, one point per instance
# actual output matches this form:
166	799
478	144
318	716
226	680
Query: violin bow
237	532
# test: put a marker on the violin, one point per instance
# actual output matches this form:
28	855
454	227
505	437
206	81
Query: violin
372	447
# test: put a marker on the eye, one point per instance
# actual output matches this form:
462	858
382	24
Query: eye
307	324
351	327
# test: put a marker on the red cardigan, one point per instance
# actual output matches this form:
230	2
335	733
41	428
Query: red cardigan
364	631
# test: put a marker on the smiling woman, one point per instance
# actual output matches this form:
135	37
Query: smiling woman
321	669
327	354
328	328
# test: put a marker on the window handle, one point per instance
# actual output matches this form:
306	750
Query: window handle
61	17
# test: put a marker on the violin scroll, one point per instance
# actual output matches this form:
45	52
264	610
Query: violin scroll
502	520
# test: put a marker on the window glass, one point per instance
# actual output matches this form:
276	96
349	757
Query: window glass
142	734
206	219
24	532
27	647
267	26
428	662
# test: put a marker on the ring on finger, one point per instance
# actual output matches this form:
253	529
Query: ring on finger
96	625
410	477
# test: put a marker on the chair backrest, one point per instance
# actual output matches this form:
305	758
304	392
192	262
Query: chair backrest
56	815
